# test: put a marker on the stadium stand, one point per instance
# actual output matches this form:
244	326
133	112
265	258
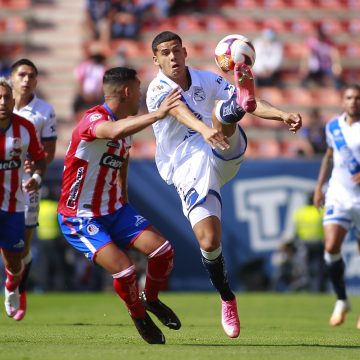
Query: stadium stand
49	31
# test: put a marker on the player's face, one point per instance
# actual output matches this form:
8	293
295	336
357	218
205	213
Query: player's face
7	103
352	102
24	80
170	57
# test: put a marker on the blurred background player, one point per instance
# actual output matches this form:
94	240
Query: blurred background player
342	199
17	138
199	153
23	76
94	214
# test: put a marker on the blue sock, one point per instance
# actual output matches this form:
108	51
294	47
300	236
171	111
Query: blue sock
228	111
218	276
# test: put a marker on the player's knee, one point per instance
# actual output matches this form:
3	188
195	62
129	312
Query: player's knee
228	111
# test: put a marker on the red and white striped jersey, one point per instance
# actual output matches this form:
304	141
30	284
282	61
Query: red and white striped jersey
17	140
89	185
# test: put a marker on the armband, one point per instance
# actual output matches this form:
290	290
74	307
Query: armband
37	178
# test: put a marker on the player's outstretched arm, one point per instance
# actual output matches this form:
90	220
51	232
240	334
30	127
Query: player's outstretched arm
133	124
267	111
212	136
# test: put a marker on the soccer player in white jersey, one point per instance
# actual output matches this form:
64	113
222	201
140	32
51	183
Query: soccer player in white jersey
17	138
94	214
342	199
23	76
198	152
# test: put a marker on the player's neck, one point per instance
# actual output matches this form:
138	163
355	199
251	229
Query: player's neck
351	119
22	100
4	123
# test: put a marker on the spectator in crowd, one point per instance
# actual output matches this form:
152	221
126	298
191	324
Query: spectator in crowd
321	61
309	230
23	76
89	74
95	19
269	57
125	18
340	167
18	137
312	137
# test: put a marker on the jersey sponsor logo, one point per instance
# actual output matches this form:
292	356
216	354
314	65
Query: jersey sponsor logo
74	190
139	220
95	117
10	164
92	229
112	161
199	93
219	79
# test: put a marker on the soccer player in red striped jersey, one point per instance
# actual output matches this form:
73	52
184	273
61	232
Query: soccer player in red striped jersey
94	214
18	138
23	77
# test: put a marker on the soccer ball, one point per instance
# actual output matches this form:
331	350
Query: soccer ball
233	49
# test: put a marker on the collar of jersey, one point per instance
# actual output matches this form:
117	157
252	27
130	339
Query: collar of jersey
112	115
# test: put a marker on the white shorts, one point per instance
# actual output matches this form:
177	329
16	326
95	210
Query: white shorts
206	171
211	207
32	202
342	212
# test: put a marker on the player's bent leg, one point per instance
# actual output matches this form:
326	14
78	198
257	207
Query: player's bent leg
245	91
126	287
160	264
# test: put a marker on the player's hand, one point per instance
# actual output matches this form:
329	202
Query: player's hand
216	138
319	198
356	178
169	102
293	120
31	185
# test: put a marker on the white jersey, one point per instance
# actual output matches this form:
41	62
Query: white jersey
42	115
340	184
174	141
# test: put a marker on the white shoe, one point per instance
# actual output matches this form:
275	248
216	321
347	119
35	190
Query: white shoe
12	301
339	312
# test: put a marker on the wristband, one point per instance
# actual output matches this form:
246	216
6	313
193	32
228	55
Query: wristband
37	178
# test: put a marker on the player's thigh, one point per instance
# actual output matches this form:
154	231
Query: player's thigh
112	259
334	235
148	240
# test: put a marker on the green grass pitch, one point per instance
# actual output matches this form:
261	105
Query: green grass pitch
97	326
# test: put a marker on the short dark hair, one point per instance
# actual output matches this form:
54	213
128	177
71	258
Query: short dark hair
352	87
164	37
117	75
23	61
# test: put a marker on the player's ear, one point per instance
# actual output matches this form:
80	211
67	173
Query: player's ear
185	51
155	60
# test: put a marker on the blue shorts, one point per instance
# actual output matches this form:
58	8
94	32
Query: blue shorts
12	231
88	235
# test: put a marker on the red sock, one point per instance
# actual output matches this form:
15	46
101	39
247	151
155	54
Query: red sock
10	284
160	264
126	287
